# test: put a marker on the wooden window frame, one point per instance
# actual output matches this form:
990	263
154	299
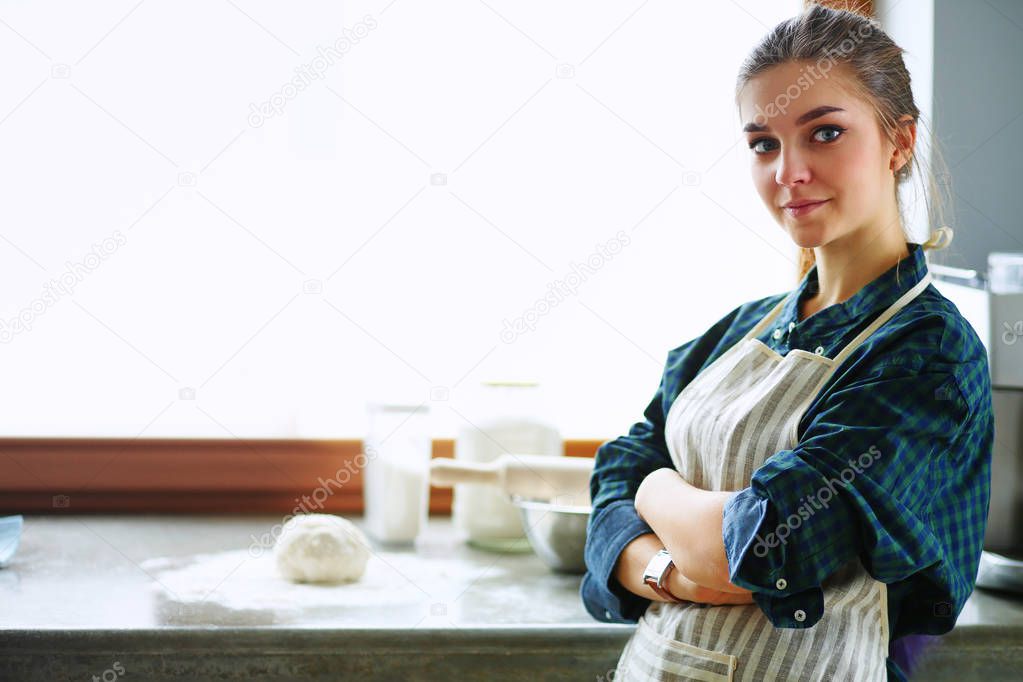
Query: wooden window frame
172	475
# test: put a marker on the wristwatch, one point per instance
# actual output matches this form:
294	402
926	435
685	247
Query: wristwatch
656	574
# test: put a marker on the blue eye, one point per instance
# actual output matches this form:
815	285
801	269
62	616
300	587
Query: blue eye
832	128
835	129
757	141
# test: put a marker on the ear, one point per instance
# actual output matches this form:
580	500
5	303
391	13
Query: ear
905	140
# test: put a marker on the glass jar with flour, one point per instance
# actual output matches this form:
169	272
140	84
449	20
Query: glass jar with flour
503	417
396	481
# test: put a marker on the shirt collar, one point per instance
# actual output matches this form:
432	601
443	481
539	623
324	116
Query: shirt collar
877	295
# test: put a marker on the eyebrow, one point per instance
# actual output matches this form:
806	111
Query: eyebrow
808	116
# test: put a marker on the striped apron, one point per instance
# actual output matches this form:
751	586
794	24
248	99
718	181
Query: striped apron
738	411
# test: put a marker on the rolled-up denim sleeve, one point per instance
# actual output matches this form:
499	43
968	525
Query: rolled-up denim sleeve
864	481
608	532
742	526
619	468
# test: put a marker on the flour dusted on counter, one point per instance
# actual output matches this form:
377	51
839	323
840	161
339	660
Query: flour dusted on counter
238	581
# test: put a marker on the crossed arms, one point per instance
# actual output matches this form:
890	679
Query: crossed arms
687	521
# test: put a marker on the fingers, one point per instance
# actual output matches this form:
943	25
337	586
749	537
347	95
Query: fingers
684	588
709	596
732	598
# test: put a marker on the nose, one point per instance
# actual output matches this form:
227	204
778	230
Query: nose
792	168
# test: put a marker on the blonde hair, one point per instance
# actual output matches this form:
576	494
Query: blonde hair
880	77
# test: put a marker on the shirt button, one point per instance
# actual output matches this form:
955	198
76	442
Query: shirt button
792	325
607	614
819	350
800	615
777	333
781	584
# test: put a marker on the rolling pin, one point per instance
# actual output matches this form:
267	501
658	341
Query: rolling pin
547	477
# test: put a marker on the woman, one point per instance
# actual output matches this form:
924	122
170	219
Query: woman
810	484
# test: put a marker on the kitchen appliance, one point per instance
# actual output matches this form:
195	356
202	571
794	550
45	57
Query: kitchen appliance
993	303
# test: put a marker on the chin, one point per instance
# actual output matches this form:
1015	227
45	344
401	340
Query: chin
807	243
804	237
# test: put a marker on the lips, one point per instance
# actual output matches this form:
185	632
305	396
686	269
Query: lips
798	209
803	202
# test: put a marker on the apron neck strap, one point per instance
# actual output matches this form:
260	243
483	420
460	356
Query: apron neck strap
884	317
767	319
871	328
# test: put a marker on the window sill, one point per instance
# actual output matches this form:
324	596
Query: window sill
62	475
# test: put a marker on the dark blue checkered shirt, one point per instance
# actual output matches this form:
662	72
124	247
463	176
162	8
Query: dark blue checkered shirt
918	389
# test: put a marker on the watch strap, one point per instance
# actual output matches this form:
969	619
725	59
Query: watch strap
663	591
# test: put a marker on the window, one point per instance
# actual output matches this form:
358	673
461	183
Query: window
234	220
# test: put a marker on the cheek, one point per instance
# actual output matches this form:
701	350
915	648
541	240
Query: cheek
854	168
763	180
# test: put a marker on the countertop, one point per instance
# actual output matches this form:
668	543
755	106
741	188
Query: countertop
197	597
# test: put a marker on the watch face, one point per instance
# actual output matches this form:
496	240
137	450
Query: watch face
657	567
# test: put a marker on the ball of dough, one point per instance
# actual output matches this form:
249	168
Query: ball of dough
317	548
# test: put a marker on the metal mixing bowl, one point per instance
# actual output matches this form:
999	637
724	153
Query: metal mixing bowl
557	532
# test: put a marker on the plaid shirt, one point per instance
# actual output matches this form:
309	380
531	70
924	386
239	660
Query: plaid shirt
918	390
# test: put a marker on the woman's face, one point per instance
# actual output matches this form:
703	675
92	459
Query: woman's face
807	151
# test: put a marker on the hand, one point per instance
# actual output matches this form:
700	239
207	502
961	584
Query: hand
684	588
